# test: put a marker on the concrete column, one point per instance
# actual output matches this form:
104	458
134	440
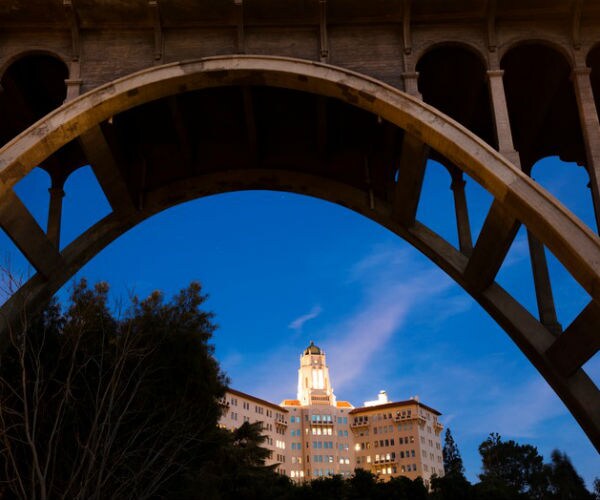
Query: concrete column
539	264
74	82
501	118
590	127
411	85
543	287
465	240
55	214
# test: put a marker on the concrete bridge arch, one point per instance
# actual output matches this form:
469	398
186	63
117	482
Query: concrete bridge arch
387	195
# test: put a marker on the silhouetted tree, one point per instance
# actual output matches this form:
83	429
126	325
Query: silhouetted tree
453	464
453	485
563	481
510	468
362	485
237	470
96	407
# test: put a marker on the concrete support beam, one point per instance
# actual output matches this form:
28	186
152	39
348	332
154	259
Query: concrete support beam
411	172
103	160
579	342
543	286
496	237
27	235
501	118
539	266
463	226
55	214
590	128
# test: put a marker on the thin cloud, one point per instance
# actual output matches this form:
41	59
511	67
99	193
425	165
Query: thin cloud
396	284
298	323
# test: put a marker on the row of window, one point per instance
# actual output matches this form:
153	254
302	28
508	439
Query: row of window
386	470
431	456
319	431
365	445
343	433
320	418
296	473
387	428
383	442
295	419
393	469
261	410
323	458
383	429
323	472
323	444
235	415
361	419
386	457
439	472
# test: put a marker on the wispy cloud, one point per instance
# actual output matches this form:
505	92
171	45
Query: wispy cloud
299	322
392	284
395	285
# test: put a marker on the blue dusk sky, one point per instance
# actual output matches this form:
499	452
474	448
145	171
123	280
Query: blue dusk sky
283	269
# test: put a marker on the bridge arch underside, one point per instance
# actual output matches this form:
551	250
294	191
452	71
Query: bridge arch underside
174	133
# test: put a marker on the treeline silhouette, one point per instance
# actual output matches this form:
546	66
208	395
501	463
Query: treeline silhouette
100	405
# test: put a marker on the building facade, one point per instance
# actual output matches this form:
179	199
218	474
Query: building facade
315	435
241	407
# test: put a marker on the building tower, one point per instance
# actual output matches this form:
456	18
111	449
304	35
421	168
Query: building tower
314	384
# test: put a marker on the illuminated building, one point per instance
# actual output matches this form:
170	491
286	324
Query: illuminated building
316	435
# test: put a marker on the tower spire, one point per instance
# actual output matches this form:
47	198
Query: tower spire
314	384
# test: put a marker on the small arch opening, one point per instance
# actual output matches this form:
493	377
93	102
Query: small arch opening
453	79
32	86
541	105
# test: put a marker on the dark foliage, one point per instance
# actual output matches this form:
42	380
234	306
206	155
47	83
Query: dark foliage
98	407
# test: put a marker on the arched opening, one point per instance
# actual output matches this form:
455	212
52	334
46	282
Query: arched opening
452	78
267	258
148	184
541	105
31	87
